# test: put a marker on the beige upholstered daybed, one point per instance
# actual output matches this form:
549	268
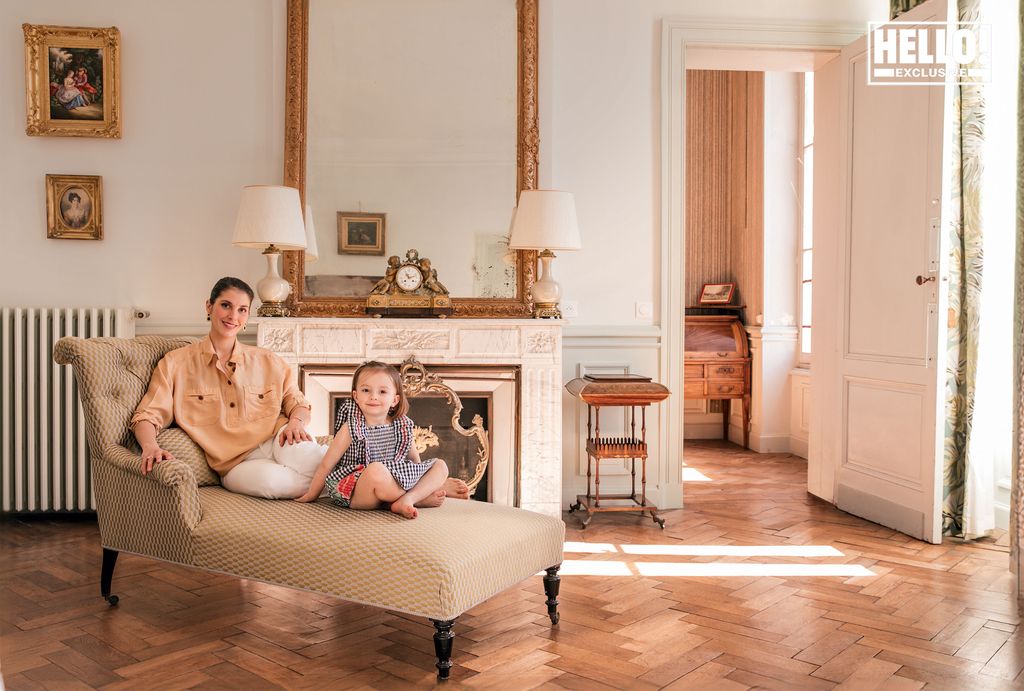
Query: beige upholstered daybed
437	566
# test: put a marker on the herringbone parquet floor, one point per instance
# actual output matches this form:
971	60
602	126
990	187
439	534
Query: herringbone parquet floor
754	585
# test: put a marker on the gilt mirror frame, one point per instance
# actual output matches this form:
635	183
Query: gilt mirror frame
527	161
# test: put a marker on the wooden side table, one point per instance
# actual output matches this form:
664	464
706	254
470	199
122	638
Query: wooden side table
632	391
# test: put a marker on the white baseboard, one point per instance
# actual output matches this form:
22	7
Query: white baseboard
798	447
1002	516
619	487
766	443
702	430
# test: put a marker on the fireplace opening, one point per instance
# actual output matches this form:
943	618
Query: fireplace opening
486	392
435	437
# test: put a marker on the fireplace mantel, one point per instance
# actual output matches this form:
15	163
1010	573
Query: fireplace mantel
535	346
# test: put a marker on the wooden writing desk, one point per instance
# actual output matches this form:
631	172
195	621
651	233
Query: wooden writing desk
716	364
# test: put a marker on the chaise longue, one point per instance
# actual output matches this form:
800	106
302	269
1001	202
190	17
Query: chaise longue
438	566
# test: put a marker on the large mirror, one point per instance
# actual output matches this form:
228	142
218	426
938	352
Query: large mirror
411	124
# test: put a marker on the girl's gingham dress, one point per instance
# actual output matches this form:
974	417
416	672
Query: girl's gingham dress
388	444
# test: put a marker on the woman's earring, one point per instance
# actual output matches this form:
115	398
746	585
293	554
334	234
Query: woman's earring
207	317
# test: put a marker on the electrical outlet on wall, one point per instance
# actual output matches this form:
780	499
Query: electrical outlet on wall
570	309
644	310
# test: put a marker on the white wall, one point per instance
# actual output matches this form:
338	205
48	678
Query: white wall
600	107
773	344
600	86
202	96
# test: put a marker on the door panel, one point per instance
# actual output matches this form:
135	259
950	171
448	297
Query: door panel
874	373
822	444
888	151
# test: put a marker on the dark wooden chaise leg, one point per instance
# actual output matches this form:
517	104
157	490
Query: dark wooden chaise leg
443	646
551	581
107	575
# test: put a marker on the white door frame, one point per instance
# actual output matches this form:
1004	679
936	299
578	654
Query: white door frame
676	34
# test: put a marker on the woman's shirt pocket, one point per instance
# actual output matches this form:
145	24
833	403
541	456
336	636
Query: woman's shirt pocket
200	408
262	402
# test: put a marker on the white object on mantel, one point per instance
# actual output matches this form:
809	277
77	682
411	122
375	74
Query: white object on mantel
312	253
535	347
545	220
270	217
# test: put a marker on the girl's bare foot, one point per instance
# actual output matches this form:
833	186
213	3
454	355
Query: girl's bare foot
454	487
435	499
403	508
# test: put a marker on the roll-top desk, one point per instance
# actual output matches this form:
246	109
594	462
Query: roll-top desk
716	364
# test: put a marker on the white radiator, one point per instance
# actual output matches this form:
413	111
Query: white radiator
44	462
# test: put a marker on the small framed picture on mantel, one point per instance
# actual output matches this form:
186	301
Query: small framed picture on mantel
361	233
717	293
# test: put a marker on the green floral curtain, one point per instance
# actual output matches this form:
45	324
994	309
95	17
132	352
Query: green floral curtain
965	285
898	7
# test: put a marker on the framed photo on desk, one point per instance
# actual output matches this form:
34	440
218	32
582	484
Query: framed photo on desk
717	293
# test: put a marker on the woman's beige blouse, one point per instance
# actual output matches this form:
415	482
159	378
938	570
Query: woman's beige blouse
228	412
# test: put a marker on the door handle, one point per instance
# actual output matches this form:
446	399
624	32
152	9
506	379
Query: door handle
921	280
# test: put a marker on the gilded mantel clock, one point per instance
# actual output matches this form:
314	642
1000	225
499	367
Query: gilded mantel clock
410	288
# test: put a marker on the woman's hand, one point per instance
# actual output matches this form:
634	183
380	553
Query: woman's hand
153	454
307	497
294	432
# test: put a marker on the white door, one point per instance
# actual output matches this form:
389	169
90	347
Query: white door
878	361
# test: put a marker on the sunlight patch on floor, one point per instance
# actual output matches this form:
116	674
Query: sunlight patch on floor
748	569
706	550
704	569
694	475
735	550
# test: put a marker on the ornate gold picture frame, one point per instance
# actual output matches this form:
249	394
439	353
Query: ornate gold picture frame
361	233
72	81
74	207
303	304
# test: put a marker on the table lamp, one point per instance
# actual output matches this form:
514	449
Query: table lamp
270	217
545	220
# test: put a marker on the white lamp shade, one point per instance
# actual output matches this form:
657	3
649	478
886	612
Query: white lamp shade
312	254
545	220
270	215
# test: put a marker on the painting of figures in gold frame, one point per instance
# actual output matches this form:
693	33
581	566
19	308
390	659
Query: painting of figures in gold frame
72	81
74	207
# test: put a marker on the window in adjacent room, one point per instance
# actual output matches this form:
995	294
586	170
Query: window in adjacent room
806	227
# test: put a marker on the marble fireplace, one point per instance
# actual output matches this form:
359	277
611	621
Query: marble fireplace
519	367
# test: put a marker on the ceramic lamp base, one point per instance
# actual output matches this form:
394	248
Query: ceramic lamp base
272	289
546	291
